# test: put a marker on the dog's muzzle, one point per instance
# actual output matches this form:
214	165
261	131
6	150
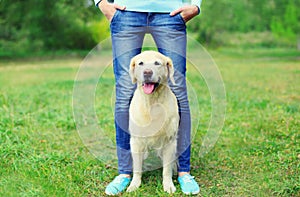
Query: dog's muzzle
148	74
149	85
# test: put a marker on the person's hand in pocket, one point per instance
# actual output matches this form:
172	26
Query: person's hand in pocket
187	12
109	9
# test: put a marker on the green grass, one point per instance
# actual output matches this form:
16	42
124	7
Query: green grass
257	154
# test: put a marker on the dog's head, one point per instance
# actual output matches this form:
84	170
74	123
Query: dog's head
150	69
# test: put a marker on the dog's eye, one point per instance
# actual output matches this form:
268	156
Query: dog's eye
156	63
141	63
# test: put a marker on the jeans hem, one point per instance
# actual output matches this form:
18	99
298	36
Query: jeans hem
125	172
184	170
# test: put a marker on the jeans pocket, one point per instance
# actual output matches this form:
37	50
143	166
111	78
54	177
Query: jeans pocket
114	16
181	18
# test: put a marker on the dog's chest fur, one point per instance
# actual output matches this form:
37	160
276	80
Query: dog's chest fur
154	118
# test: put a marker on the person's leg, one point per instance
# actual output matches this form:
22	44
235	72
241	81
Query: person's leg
127	34
169	34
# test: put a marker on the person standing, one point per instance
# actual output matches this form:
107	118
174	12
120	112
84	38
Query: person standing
165	21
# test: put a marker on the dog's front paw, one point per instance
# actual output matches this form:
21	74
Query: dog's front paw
169	187
133	185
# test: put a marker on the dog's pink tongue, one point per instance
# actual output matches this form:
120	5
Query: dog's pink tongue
148	88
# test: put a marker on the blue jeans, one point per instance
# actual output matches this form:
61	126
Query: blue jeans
128	30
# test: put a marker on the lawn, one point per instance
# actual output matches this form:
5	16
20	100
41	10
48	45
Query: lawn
257	153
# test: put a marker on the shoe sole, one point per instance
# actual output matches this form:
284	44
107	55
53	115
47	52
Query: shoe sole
193	193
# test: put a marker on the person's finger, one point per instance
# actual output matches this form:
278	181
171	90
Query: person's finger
173	13
119	7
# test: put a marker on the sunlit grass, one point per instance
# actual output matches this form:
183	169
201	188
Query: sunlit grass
257	153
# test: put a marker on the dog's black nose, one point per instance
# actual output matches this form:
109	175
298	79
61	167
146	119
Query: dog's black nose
148	74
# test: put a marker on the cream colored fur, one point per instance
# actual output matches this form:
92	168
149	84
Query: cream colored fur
154	117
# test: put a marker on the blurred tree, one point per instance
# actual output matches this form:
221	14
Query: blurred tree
287	27
34	25
215	18
37	25
223	16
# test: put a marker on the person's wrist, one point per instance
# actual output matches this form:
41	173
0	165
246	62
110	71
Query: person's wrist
97	5
198	9
102	2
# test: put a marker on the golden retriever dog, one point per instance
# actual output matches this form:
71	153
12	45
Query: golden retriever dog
154	117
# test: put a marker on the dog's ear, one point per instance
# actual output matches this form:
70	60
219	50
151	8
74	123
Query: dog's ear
170	68
131	70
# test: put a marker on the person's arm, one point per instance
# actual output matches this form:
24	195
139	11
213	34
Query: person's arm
188	11
108	9
197	3
97	2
